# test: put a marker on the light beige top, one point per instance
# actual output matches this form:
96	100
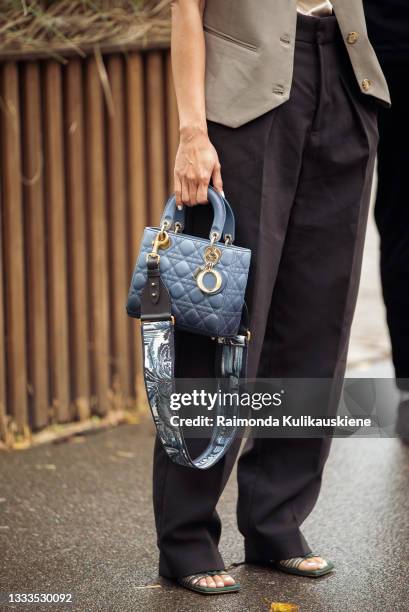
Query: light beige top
313	7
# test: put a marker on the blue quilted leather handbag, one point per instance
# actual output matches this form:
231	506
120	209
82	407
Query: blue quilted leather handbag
197	285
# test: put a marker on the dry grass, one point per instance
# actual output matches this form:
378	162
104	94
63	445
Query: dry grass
56	26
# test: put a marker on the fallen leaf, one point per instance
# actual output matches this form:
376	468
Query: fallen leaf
279	606
45	466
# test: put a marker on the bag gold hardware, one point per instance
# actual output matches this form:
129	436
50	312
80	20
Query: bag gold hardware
211	256
214	236
200	278
162	241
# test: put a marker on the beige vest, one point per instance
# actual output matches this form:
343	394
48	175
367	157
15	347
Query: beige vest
250	55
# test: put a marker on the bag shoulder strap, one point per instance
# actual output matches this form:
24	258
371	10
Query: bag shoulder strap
158	350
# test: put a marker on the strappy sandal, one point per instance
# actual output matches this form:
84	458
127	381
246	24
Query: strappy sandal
190	582
291	566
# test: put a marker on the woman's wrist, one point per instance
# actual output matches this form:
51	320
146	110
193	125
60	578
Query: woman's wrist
188	131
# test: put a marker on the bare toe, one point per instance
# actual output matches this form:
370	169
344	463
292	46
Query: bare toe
313	563
210	582
218	580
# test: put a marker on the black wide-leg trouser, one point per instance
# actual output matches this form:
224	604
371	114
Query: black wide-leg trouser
299	179
392	216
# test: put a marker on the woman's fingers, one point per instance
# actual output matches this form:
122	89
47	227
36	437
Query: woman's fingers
178	190
185	190
192	185
202	192
190	191
217	177
197	190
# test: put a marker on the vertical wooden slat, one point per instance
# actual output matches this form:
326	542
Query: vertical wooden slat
97	254
13	247
3	416
35	247
117	228
77	239
68	255
56	243
157	182
172	122
137	201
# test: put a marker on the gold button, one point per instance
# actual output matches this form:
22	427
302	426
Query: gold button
366	83
352	38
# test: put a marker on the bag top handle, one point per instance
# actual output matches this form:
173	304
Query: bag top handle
229	230
219	213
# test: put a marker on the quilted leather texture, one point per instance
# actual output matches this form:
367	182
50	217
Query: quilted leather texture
212	315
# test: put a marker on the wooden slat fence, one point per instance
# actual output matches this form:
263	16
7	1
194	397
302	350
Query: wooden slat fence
87	151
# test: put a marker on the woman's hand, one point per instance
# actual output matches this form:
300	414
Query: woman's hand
196	163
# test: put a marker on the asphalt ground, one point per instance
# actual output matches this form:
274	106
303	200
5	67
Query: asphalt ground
76	517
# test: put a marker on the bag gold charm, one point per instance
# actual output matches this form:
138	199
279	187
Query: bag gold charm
211	256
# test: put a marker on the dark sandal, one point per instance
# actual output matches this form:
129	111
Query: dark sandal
190	582
291	566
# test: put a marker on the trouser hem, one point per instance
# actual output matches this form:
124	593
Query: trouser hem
187	565
294	545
